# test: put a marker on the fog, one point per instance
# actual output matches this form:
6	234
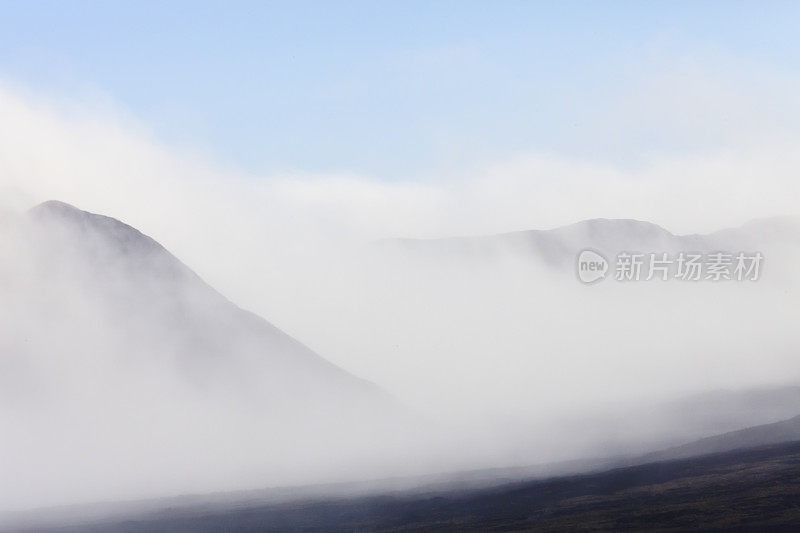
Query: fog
479	360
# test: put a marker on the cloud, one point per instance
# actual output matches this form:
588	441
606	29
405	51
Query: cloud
461	340
247	234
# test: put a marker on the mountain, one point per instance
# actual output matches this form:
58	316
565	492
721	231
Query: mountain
154	297
124	374
559	246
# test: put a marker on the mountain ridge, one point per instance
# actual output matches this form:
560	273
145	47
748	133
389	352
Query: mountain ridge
558	246
117	251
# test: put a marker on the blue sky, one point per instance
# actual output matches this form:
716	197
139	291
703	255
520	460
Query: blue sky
396	90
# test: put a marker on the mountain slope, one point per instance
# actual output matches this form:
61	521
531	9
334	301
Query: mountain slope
764	435
134	278
743	490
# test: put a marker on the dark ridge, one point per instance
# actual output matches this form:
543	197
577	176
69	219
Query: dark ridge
755	489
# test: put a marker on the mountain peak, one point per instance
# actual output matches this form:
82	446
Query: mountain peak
55	209
104	247
624	226
56	206
93	227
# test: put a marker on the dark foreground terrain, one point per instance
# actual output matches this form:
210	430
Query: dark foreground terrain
752	489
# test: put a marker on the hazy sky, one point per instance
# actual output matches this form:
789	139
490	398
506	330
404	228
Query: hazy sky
403	90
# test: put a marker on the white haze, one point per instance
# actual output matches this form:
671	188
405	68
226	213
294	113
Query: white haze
494	354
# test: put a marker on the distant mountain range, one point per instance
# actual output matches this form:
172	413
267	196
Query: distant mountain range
559	246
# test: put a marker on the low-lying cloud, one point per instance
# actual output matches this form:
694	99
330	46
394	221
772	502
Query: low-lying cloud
496	349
